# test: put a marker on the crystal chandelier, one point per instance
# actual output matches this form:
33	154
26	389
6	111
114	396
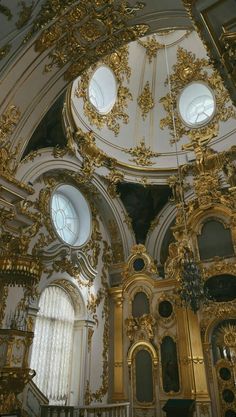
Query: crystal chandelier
191	289
190	282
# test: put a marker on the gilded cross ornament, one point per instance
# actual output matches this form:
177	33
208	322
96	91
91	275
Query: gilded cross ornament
145	100
152	47
188	69
142	154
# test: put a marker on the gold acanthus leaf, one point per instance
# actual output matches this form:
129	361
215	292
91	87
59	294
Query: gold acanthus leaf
80	34
8	122
142	154
152	47
118	62
145	100
188	69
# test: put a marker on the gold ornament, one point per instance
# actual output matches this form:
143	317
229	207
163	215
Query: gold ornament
152	47
118	62
188	69
142	154
145	101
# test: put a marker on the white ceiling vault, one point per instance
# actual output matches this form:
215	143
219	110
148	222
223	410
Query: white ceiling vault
135	132
23	79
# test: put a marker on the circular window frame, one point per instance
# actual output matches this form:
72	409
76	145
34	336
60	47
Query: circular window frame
210	118
103	113
77	200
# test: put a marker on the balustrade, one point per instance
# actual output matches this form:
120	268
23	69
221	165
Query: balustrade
98	410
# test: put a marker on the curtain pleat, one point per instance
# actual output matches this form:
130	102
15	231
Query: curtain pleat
52	345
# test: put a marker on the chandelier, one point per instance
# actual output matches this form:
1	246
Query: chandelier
190	282
191	289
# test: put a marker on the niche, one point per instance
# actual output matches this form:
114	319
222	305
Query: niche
214	240
169	363
140	304
144	377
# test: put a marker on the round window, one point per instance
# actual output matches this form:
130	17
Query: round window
196	104
70	215
102	89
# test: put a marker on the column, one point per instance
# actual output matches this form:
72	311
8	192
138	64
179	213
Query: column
118	373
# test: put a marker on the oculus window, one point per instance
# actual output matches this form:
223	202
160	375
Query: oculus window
196	104
71	216
102	89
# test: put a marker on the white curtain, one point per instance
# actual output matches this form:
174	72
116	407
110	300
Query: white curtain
52	345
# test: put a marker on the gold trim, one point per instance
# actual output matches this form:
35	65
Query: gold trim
188	69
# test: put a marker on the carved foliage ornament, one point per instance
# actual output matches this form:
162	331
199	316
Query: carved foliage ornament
84	32
118	62
188	69
145	101
142	154
152	47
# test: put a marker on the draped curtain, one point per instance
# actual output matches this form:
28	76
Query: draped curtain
52	345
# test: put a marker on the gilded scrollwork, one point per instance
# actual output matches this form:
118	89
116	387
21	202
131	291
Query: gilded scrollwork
82	30
8	122
102	390
118	62
146	101
219	268
92	155
116	243
142	154
138	328
115	177
188	69
152	46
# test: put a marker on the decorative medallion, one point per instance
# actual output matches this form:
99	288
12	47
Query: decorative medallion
118	62
188	69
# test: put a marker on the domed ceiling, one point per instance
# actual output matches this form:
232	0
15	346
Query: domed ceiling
128	107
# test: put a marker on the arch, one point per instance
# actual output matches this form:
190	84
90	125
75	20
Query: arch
140	304
144	344
111	210
214	239
52	346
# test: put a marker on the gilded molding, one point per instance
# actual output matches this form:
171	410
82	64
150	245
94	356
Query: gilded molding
142	154
116	242
102	390
92	156
118	62
140	328
4	50
219	268
3	299
152	47
8	122
149	268
188	69
212	314
146	101
79	33
115	177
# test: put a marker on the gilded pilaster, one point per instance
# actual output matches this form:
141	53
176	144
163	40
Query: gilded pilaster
118	373
192	361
